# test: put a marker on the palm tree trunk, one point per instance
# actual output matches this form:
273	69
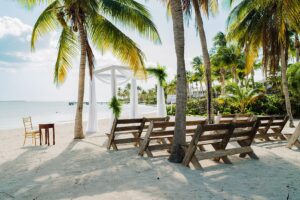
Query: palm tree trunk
234	75
283	55
297	46
222	81
206	60
181	93
78	132
252	77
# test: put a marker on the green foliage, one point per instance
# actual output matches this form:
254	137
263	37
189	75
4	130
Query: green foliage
148	97
293	75
116	107
194	107
98	21
160	73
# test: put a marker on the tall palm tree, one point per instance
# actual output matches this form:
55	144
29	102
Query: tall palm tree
206	6
92	20
177	153
198	76
266	24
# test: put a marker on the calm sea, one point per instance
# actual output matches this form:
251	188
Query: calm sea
11	113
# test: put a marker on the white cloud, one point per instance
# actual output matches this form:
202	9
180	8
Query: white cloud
13	27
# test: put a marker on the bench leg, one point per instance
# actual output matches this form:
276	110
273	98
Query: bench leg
196	163
114	146
149	153
225	159
264	134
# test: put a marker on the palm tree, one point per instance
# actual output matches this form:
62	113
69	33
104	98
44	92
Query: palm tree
171	87
198	68
177	153
266	24
90	20
207	6
242	96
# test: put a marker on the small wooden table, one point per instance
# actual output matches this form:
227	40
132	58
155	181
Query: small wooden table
47	127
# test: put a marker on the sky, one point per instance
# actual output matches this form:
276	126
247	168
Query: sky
28	76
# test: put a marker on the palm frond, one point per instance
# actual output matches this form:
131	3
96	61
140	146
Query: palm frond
131	14
160	73
106	36
68	49
46	22
31	3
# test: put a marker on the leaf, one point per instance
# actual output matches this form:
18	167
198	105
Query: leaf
68	49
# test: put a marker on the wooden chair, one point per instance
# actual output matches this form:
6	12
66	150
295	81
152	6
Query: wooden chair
29	131
271	126
129	127
218	136
164	131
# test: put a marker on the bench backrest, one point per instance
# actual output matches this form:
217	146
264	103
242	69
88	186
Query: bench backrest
161	129
245	130
138	124
224	119
275	120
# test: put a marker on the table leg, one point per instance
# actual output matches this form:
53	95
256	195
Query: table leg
53	135
40	136
48	137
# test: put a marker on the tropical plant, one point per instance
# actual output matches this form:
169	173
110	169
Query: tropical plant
160	73
92	20
171	87
177	153
242	97
293	75
116	106
199	72
266	24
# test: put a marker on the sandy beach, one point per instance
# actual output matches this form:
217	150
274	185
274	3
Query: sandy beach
86	170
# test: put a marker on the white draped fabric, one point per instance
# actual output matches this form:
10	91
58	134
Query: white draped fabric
133	99
92	124
119	75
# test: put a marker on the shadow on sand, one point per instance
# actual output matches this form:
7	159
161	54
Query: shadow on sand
86	169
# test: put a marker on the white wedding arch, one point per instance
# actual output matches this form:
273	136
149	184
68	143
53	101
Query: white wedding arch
118	75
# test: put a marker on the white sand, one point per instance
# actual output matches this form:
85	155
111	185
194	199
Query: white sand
86	170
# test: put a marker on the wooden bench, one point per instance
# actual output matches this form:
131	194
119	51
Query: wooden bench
130	130
164	131
293	139
225	119
218	136
271	126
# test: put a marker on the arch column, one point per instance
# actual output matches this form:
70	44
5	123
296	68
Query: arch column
92	123
133	99
160	100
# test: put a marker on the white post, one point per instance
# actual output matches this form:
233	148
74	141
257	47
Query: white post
113	85
133	99
161	104
92	124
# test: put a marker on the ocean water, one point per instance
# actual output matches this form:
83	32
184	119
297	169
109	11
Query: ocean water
11	113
